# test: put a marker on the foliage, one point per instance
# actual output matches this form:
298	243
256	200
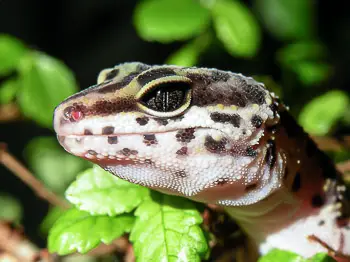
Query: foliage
165	226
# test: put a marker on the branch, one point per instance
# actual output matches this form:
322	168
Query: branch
9	112
18	247
332	144
26	176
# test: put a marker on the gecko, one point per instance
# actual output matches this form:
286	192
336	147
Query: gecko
215	137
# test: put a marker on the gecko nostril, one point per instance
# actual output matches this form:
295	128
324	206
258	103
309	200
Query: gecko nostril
73	113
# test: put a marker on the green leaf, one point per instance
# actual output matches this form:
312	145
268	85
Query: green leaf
8	91
79	231
52	164
95	186
311	73
45	82
236	27
277	255
188	55
321	257
167	229
11	52
170	20
301	51
320	114
305	59
50	219
11	209
287	19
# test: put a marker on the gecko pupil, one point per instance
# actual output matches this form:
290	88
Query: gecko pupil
166	97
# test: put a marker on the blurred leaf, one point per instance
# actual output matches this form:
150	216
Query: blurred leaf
277	255
50	219
287	19
320	115
188	55
95	186
167	227
301	51
11	51
45	82
236	27
11	209
79	231
311	73
52	164
305	59
8	91
170	20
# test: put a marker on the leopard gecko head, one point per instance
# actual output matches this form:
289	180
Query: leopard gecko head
194	132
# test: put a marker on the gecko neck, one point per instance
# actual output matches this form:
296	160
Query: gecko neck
311	186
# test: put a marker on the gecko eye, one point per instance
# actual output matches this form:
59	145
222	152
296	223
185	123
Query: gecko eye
166	99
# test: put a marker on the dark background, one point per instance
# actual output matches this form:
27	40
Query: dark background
91	35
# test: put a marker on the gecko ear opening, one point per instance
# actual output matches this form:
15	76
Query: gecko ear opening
165	98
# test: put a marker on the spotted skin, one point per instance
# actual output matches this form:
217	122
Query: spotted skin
215	137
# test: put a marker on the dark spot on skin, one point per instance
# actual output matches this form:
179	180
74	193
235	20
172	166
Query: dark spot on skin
142	120
154	74
177	118
112	140
286	172
108	130
296	183
148	161
257	121
214	146
317	201
321	222
126	152
233	119
270	157
274	108
162	122
92	152
87	132
185	135
250	152
221	182
112	74
182	151
251	187
180	173
134	152
149	139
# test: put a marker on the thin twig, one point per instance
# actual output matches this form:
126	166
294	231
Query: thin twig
26	176
9	112
17	246
332	144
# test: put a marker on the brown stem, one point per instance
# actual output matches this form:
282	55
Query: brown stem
9	112
332	144
26	176
19	247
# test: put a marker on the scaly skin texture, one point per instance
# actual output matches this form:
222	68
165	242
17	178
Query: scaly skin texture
214	137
